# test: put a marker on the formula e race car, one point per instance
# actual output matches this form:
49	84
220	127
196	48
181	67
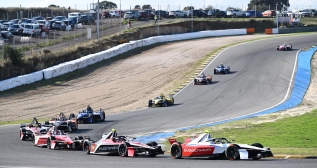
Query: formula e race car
90	116
161	101
205	146
284	47
56	138
70	122
222	69
111	143
27	131
202	79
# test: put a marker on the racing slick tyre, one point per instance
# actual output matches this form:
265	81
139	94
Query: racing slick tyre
165	103
104	116
232	152
79	137
33	139
259	146
215	71
49	143
123	149
86	148
176	150
150	104
195	81
22	134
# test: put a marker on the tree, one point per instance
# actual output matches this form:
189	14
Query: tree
137	7
147	6
52	6
107	5
262	5
209	7
188	8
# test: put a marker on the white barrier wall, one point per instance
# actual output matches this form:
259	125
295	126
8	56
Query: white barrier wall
275	31
85	61
21	80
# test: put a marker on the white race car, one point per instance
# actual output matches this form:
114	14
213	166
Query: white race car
205	146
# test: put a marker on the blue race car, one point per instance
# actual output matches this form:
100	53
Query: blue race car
90	116
222	69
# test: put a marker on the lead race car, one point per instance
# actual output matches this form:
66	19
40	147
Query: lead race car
206	146
202	79
284	47
161	101
221	69
111	143
90	116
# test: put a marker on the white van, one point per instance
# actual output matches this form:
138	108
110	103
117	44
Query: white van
76	14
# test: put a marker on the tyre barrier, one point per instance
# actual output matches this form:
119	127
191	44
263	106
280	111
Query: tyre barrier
25	39
271	31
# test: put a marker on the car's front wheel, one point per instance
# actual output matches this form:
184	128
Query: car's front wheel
176	151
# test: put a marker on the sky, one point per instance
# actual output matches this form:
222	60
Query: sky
162	4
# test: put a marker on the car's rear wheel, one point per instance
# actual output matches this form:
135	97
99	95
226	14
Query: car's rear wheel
33	139
123	150
176	151
86	148
232	152
48	143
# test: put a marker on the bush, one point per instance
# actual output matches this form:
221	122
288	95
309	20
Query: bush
13	55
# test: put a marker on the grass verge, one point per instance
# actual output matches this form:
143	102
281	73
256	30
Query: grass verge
287	136
22	121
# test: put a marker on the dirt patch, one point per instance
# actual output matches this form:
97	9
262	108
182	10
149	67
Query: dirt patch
119	86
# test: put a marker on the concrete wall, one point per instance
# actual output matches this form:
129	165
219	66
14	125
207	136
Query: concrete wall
296	30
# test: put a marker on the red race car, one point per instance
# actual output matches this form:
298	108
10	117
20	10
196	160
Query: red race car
27	131
57	138
284	47
202	79
112	144
206	146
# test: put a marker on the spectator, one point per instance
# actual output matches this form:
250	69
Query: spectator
155	18
129	24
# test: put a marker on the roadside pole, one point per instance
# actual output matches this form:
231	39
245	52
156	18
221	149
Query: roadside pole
98	24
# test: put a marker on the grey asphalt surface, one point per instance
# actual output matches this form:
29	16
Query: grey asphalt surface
259	79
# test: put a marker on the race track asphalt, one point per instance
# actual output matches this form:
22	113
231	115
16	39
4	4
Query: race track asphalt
259	79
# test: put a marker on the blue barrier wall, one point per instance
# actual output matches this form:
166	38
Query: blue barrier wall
301	84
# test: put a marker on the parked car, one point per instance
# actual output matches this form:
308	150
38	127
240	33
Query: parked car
161	13
57	18
15	29
22	20
72	20
29	21
14	21
132	15
6	35
5	26
59	25
196	13
146	14
84	19
253	13
31	29
114	13
38	18
235	12
305	13
216	13
48	18
269	13
177	13
106	14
